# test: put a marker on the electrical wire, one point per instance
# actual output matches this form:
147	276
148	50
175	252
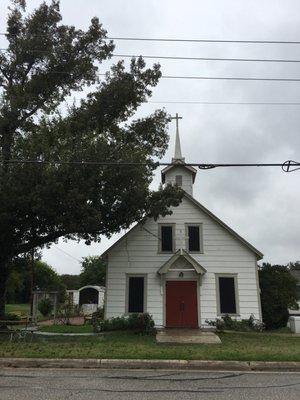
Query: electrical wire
227	103
287	166
269	60
227	78
230	78
147	39
66	253
203	40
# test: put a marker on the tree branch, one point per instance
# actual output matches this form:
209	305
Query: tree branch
39	241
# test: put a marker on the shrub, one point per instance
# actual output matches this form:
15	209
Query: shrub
278	294
230	324
11	317
137	322
66	310
45	307
218	323
97	317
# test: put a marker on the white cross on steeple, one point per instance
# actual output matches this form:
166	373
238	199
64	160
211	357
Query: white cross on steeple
177	154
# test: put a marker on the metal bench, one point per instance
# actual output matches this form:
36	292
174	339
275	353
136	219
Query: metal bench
17	330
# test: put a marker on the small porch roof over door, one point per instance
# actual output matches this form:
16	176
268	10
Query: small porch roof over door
181	254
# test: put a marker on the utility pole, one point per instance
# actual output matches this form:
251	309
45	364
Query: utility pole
32	279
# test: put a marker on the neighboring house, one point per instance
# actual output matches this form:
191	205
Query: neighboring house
185	268
88	297
296	274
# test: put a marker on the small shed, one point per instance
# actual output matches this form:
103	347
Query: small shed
89	297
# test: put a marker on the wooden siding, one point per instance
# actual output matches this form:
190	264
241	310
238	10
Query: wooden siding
222	253
187	178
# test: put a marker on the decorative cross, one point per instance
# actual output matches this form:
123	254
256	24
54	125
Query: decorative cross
177	155
177	120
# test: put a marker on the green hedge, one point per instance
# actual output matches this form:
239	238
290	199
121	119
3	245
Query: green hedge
138	322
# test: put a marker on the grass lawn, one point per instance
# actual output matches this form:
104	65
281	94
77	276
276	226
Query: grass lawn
24	309
235	346
67	328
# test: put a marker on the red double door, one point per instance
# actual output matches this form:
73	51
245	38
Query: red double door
181	304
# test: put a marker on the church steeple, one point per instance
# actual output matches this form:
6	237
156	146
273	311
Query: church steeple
178	172
177	154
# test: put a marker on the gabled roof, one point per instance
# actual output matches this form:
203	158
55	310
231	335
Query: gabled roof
209	213
120	239
181	253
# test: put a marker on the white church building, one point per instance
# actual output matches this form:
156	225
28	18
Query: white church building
184	268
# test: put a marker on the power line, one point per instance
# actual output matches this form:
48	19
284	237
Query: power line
147	39
159	57
68	254
230	78
203	40
269	60
227	103
287	166
223	78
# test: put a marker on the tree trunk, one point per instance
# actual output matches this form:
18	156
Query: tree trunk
3	282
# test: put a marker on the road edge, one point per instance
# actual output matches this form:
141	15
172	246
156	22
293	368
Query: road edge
201	365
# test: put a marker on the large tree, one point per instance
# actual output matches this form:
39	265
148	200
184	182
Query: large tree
45	62
20	280
92	271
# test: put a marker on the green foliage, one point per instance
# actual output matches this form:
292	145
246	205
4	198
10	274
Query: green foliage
70	281
19	282
97	318
278	294
66	310
45	307
67	329
231	324
11	317
66	200
139	323
92	271
294	266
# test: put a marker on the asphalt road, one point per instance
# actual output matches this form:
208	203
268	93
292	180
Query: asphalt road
52	384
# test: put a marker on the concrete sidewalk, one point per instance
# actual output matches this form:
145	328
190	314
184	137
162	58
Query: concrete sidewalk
201	365
186	336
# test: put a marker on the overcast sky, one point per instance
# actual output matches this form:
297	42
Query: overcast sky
261	204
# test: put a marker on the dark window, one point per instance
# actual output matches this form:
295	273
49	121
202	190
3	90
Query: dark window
194	238
167	238
178	180
227	295
136	294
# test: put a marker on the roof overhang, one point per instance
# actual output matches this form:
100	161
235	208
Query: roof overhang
181	254
233	233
